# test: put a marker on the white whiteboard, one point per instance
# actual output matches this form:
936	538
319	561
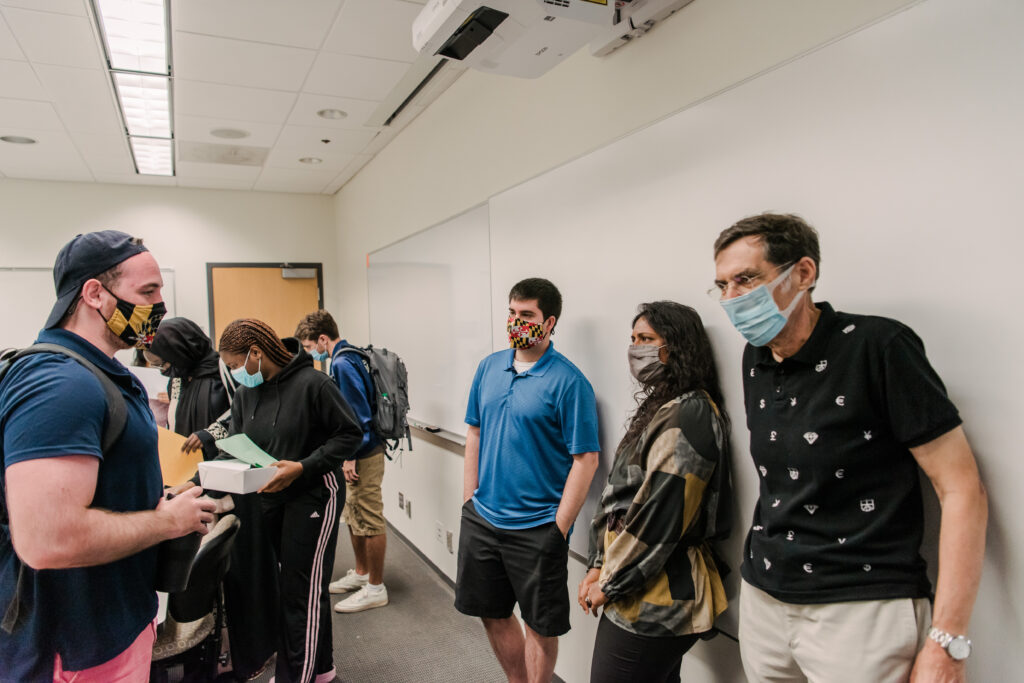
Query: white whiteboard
902	143
429	301
27	295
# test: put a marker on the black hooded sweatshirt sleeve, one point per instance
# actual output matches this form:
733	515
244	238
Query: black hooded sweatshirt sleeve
300	415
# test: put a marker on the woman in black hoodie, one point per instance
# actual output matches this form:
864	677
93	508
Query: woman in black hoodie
297	415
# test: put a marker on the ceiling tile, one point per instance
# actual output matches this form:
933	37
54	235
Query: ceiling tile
360	78
53	157
8	45
55	38
302	141
292	180
230	102
347	174
83	98
18	81
197	128
283	156
375	28
299	24
304	113
136	179
75	7
25	115
104	153
213	183
239	62
233	172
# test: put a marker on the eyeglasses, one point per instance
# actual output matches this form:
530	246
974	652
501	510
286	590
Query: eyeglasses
742	283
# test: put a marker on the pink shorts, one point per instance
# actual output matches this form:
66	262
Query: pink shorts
131	666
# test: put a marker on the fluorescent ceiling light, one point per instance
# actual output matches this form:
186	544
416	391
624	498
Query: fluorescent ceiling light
145	101
153	156
136	34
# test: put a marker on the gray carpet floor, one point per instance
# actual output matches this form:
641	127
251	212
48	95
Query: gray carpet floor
418	636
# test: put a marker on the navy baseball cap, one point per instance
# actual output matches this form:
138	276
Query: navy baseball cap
83	258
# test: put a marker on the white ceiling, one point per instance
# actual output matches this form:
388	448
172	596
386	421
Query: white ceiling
261	66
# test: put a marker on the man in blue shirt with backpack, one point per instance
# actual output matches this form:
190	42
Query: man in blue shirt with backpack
364	471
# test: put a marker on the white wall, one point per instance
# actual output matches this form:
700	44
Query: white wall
184	228
487	134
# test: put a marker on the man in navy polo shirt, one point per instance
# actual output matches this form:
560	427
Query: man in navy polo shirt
842	410
89	518
531	451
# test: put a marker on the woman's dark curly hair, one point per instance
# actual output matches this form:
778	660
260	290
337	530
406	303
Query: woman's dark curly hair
690	365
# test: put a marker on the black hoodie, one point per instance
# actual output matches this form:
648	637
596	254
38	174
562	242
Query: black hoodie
298	415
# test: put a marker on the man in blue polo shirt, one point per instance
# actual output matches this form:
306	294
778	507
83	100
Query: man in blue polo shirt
531	451
90	615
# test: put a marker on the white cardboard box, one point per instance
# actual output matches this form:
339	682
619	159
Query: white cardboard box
233	476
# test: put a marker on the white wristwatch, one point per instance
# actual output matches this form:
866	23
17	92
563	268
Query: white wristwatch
957	647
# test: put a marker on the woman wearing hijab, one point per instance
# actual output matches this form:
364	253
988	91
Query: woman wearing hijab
668	496
200	388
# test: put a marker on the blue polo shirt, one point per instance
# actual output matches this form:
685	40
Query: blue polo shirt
349	373
51	406
531	424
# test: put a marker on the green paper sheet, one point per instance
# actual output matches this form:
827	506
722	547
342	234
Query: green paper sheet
245	450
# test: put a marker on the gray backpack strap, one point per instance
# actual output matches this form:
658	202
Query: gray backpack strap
117	417
117	411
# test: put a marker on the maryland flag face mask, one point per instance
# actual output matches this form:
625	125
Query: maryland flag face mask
523	335
135	324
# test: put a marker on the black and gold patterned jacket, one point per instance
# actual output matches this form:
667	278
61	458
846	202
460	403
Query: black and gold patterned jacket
668	496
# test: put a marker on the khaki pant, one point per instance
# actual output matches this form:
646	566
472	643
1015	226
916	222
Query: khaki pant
364	504
870	641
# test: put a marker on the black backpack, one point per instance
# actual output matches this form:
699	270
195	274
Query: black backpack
389	393
117	416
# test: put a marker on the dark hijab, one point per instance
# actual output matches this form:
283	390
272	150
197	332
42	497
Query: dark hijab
203	398
182	343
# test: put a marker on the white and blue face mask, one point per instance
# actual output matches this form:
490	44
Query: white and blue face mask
317	354
243	377
756	316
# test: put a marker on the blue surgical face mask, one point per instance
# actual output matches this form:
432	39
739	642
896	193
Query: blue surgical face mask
243	377
756	315
318	355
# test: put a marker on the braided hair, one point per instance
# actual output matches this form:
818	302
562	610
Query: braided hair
242	334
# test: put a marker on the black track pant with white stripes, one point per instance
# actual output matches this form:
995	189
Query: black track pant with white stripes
304	532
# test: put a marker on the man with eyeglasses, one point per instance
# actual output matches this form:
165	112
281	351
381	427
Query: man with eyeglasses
842	410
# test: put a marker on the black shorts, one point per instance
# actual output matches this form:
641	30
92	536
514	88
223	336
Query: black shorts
500	567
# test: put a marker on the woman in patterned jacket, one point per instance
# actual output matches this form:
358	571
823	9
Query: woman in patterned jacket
668	496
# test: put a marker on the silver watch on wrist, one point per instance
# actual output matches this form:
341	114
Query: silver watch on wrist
957	647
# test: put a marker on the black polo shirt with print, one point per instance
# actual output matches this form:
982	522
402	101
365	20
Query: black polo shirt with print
839	516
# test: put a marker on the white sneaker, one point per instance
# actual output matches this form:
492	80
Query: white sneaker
350	582
363	599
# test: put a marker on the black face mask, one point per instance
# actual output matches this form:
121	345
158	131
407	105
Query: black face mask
135	324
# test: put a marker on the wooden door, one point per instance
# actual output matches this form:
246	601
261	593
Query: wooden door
278	294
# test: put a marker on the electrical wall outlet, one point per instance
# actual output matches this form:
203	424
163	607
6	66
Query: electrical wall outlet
401	499
451	548
408	508
439	531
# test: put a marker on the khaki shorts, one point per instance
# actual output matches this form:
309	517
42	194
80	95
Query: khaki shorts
364	504
869	641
